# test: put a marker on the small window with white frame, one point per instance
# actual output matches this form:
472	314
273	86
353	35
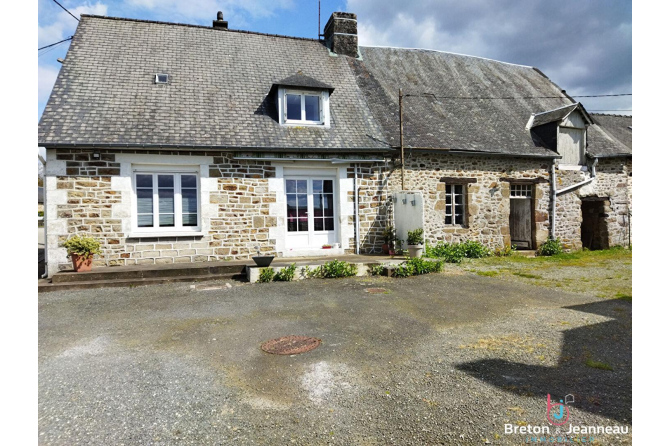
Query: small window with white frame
455	204
161	78
166	201
521	191
304	107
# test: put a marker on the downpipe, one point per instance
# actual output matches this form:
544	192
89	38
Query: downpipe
356	225
44	218
555	193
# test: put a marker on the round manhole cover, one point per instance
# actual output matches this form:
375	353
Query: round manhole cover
290	345
375	290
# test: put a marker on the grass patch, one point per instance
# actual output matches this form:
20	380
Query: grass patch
527	276
624	296
598	365
487	273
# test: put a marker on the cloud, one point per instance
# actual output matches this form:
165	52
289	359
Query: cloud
585	47
59	24
205	10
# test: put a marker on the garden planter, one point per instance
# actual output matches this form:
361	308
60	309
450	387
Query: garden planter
415	250
81	263
385	248
263	261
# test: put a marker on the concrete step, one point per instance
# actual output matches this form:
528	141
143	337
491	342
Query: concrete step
44	285
155	272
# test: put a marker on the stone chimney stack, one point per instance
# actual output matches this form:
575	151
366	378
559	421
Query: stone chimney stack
341	34
219	23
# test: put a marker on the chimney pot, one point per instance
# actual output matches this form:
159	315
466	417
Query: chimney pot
341	34
219	23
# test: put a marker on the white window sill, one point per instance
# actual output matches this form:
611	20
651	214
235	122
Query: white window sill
572	167
166	234
303	124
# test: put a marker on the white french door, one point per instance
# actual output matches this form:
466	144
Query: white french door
310	212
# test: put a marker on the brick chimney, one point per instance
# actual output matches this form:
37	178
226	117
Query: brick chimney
341	34
219	23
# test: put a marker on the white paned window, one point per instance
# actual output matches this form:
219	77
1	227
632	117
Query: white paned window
455	204
304	107
166	202
520	191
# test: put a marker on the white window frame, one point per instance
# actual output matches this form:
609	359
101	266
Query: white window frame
324	105
178	229
450	191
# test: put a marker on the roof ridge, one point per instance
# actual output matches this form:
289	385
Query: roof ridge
446	52
611	114
158	22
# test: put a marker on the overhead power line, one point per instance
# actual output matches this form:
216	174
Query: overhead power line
54	44
512	97
64	9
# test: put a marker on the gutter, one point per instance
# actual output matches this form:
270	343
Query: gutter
208	147
44	219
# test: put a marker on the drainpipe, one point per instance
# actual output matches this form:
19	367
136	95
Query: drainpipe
552	234
357	227
555	193
44	218
581	183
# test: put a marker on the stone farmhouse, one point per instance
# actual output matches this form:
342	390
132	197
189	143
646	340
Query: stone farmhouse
180	143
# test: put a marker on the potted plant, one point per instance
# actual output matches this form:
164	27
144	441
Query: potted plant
415	242
389	239
82	250
396	247
260	260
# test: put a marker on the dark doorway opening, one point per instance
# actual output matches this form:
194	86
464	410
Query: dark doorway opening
594	224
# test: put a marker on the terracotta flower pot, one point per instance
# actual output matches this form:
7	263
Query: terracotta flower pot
81	263
385	248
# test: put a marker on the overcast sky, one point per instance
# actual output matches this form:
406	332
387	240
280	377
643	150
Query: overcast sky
583	46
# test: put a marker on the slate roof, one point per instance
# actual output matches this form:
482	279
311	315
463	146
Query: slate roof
302	81
439	112
216	97
553	115
611	136
220	80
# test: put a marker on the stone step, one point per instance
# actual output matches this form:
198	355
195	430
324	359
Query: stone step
137	273
45	286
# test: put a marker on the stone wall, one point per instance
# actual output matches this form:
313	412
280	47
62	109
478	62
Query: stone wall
613	184
235	215
487	196
242	206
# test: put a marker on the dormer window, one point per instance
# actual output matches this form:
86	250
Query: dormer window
161	78
301	107
302	101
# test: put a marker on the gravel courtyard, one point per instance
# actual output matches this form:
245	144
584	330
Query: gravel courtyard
446	358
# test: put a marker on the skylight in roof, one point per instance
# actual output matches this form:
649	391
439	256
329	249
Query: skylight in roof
161	78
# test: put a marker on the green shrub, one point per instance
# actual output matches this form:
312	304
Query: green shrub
449	252
505	251
415	237
285	274
82	246
335	269
266	275
376	270
550	247
417	266
455	252
475	250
